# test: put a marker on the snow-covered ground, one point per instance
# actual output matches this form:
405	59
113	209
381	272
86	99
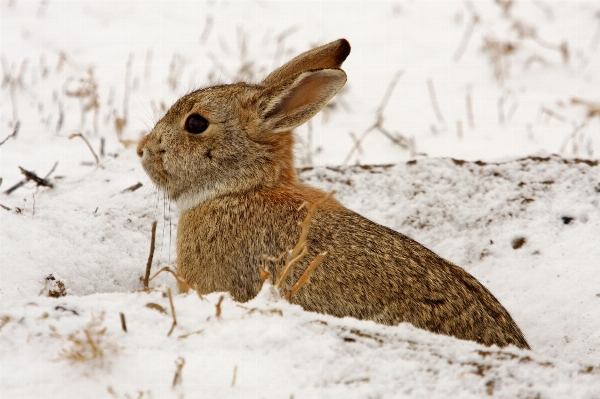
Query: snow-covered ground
516	87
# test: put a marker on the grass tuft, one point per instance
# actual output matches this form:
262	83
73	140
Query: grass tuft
89	344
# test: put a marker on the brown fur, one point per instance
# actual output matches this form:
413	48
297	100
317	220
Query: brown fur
239	197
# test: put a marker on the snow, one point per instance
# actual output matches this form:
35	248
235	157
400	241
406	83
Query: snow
538	179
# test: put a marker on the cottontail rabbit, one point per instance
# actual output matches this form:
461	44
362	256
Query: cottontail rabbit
224	155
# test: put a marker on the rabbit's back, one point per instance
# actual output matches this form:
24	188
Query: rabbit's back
370	272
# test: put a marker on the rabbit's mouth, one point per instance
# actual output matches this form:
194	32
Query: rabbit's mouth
159	177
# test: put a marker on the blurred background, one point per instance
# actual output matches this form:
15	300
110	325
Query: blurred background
473	80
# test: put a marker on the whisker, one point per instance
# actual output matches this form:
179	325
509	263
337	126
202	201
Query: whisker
170	230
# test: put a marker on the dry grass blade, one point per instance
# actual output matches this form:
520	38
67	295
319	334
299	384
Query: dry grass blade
218	306
475	19
299	250
506	6
305	276
150	255
553	114
89	343
183	285
4	321
13	134
289	264
172	312
378	124
179	363
573	136
207	29
88	145
87	93
123	323
234	376
593	108
434	102
127	89
156	306
281	44
469	105
183	336
498	52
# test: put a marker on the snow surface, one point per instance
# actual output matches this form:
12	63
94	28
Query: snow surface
93	235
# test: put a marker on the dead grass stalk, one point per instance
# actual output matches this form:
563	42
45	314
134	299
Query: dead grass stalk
395	138
90	344
295	254
96	159
13	134
150	255
179	363
172	311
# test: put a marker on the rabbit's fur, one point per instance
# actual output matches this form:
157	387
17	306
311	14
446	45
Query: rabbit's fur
240	201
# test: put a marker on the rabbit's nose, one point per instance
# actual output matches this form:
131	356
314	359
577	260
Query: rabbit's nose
142	145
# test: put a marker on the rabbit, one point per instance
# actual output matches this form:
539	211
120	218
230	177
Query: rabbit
223	154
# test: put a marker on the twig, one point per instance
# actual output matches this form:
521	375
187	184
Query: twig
87	143
459	129
13	134
38	180
572	136
132	188
179	363
501	117
434	103
150	256
22	182
172	312
553	114
123	323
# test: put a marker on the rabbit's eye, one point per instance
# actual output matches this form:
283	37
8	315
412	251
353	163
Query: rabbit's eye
196	124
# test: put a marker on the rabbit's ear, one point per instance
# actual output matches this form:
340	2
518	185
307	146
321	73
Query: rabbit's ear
298	99
331	55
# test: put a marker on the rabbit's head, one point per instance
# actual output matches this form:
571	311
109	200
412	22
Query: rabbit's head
234	138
